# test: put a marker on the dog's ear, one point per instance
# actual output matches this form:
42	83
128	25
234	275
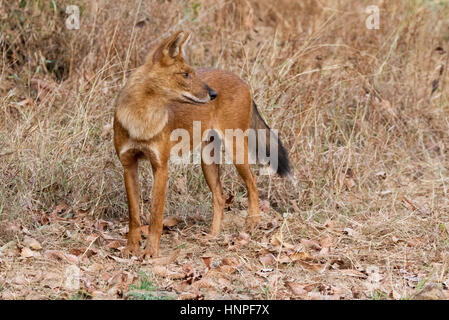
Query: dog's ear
183	42
170	48
173	46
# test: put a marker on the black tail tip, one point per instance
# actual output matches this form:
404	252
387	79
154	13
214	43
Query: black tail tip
283	169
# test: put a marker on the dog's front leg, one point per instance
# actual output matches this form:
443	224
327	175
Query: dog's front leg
157	210
130	173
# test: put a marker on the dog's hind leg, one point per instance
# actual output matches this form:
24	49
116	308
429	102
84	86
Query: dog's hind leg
212	175
253	218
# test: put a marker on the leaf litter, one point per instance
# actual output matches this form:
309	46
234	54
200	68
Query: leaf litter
196	271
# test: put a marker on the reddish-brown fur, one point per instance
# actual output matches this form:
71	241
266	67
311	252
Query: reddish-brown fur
151	106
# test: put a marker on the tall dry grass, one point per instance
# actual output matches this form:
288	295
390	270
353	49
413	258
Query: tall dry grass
363	113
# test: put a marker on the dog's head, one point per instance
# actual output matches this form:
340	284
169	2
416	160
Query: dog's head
169	73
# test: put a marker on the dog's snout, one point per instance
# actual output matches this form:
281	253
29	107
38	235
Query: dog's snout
212	93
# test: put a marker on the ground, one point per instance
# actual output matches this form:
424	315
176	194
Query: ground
363	114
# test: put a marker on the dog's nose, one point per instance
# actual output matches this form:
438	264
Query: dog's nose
212	94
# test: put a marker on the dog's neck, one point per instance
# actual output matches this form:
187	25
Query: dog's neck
140	111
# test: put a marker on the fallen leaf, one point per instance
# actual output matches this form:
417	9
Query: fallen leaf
100	295
52	280
243	238
59	209
311	244
170	221
190	296
230	262
203	283
95	268
207	260
267	259
296	288
226	269
115	244
61	256
326	244
54	254
26	252
276	239
316	267
165	260
297	256
32	243
176	275
88	252
353	273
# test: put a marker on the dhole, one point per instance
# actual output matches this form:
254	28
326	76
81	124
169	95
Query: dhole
165	94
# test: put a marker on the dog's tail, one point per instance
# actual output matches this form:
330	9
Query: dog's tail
281	164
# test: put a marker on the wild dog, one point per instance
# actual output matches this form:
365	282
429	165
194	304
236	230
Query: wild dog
165	94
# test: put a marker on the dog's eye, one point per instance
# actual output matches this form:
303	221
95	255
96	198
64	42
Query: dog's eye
185	74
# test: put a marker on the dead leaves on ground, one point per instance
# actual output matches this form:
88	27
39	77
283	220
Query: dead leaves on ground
214	277
315	291
279	252
256	260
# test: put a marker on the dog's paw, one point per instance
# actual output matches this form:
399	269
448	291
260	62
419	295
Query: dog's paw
131	249
251	222
151	251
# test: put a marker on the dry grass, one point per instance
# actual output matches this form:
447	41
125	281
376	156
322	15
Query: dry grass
363	113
